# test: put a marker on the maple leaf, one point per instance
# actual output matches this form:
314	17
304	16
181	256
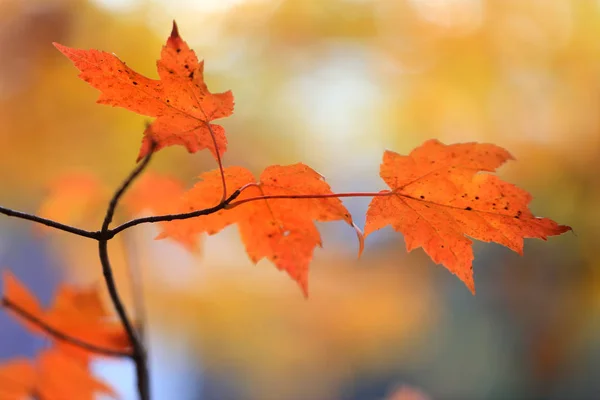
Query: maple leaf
52	375
76	311
180	100
160	195
438	198
279	229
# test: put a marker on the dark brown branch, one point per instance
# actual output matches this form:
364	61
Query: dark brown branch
172	217
139	355
55	333
48	222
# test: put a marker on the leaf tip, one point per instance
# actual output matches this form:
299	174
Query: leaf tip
60	47
469	281
304	287
175	31
361	239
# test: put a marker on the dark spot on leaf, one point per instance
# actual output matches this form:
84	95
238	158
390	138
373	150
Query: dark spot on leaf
168	101
134	82
518	214
186	66
421	196
191	75
442	246
476	197
468	208
506	207
178	50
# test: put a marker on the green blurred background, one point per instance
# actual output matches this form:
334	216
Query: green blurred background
331	83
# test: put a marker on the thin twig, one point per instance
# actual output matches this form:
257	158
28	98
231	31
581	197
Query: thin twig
172	217
139	356
230	203
55	333
48	222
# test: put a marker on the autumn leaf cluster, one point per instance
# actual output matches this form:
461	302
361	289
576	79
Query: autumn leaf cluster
62	369
437	197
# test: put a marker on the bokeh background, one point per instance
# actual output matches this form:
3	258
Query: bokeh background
331	83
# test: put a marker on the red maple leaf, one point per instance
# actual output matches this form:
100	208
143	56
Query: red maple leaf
438	198
180	100
279	229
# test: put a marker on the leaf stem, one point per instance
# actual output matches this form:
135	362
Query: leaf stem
140	356
219	161
308	196
48	222
55	333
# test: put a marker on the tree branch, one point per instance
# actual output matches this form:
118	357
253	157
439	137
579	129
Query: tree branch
55	333
48	222
139	355
172	217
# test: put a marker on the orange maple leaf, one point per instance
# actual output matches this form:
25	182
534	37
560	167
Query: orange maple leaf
77	312
438	198
180	100
279	229
53	375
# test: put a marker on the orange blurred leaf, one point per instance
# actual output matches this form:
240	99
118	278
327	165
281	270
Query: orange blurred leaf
159	195
74	198
17	379
406	392
438	198
77	312
53	375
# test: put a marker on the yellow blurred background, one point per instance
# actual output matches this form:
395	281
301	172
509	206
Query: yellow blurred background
331	83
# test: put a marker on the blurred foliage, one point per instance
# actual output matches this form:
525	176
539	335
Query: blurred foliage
332	83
